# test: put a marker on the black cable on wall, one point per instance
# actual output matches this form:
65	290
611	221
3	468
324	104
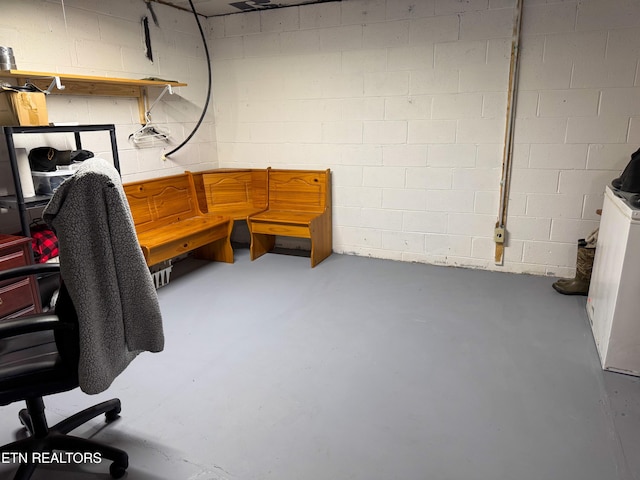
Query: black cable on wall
206	103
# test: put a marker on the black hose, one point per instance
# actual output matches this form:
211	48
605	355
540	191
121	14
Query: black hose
206	103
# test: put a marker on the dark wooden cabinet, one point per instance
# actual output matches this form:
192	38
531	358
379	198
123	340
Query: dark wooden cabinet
18	296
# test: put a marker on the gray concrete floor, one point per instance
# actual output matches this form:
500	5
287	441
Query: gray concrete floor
363	369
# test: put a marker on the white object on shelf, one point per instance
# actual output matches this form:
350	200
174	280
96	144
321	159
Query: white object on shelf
46	183
613	302
24	170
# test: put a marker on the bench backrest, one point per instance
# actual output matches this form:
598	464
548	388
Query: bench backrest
300	190
161	201
236	188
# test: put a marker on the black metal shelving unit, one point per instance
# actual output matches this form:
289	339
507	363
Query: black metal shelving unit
18	201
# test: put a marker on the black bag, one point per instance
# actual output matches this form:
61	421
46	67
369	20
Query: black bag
629	181
45	159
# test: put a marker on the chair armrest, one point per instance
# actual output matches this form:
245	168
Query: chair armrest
31	324
30	270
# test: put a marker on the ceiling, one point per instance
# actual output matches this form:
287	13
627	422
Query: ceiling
212	8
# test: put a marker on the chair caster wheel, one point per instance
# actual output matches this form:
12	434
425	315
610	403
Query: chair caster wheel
116	470
112	415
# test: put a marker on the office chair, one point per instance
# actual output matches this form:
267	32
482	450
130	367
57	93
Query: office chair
39	357
107	312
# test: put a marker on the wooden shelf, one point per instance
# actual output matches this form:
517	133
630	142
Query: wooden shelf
91	85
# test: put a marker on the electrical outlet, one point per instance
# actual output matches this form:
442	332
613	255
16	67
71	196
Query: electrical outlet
498	235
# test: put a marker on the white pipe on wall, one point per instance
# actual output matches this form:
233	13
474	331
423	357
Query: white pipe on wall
507	157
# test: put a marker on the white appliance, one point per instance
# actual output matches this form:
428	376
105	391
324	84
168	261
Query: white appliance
613	304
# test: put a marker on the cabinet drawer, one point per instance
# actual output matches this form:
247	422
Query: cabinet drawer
13	259
15	296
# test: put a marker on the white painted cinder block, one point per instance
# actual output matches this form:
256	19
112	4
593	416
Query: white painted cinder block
460	54
476	179
457	106
320	15
429	178
380	84
243	24
404	155
484	78
612	72
386	132
404	199
452	155
549	18
362	108
425	222
348	37
550	254
399	9
415	57
370	60
542	130
471	224
597	129
486	203
381	219
634	131
609	156
357	238
346	176
608	14
585	181
403	242
432	131
569	103
358	197
481	130
384	176
485	24
342	132
286	19
363	11
455	201
620	102
434	30
430	81
444	7
558	156
387	34
570	230
408	108
301	42
529	228
556	205
529	180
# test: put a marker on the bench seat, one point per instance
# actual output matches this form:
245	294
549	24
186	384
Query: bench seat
171	240
169	222
299	205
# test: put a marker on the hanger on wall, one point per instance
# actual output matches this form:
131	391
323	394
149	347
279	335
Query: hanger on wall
149	134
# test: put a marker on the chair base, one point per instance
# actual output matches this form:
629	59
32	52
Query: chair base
44	439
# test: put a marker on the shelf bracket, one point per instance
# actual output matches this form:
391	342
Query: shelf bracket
147	114
55	83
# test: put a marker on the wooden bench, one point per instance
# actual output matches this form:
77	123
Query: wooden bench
299	205
237	193
169	222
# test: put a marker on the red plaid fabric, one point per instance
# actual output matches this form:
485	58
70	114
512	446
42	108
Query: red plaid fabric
44	243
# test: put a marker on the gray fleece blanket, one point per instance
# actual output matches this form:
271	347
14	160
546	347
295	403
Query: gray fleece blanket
105	272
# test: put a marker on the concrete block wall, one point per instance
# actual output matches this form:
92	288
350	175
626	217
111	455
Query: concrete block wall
406	100
99	38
